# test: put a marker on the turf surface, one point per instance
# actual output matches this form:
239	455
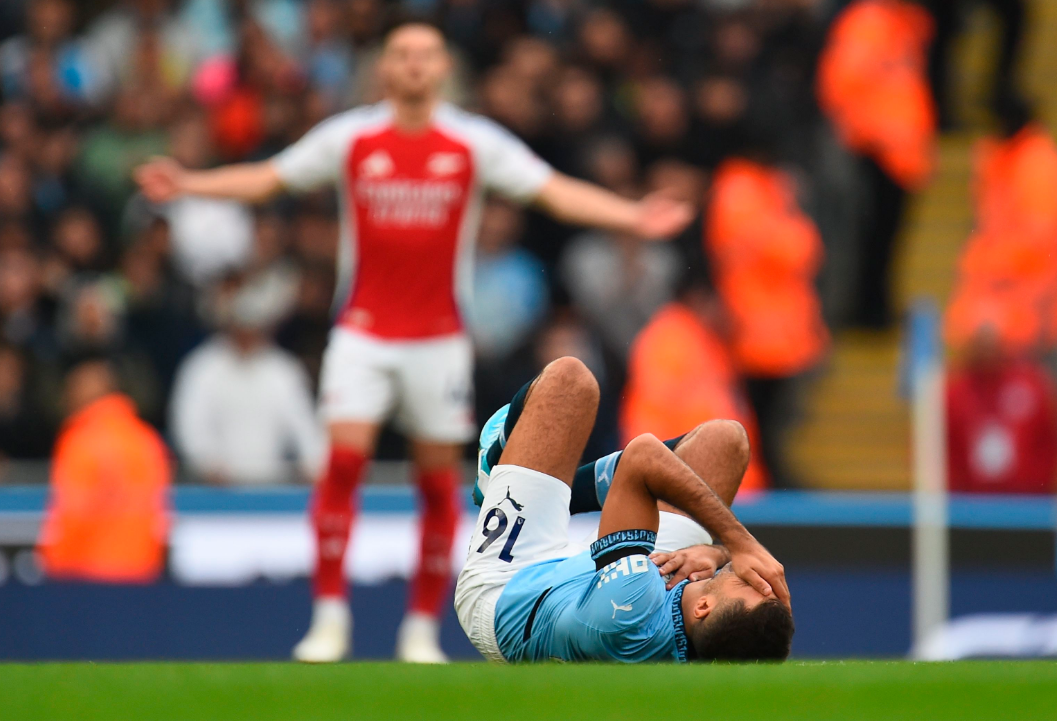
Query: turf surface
849	691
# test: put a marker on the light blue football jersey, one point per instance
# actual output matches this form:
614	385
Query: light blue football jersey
567	610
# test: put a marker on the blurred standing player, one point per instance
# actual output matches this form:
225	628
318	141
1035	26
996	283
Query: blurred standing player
410	173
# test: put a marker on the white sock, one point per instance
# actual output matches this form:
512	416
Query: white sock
331	610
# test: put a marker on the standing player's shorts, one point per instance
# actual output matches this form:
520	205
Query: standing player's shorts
524	520
426	385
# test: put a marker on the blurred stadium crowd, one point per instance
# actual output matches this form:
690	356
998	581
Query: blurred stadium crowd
800	126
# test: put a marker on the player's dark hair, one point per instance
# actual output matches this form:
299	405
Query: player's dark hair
732	633
402	20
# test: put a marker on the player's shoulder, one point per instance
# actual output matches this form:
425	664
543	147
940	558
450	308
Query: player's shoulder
357	120
624	607
476	128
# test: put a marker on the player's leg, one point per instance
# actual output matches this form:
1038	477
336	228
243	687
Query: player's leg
435	408
355	396
524	516
718	452
332	512
559	413
438	474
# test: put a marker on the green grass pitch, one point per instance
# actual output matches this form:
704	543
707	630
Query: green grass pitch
848	691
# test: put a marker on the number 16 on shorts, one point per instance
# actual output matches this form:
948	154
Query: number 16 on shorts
495	525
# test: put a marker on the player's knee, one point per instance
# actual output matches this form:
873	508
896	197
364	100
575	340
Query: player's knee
574	379
733	437
642	448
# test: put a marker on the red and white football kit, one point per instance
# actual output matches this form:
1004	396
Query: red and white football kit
410	210
410	207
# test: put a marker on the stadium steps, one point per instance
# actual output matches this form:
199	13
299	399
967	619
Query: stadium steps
854	432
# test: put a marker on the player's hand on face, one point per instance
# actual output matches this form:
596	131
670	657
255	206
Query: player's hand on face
661	217
159	179
696	563
757	567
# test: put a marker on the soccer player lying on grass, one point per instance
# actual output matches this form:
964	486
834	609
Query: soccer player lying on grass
525	594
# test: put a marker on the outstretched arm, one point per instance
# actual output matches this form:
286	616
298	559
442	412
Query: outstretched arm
649	472
163	179
575	201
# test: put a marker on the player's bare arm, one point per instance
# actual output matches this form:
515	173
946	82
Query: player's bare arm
575	201
649	472
163	180
718	451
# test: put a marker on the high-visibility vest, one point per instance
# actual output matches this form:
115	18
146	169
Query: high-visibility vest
873	86
1007	273
766	253
680	375
107	517
1015	184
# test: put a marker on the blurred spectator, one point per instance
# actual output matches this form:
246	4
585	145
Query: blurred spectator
90	322
159	306
77	242
872	85
251	94
680	374
134	33
53	186
25	319
214	23
510	285
208	236
662	121
18	128
16	198
130	135
579	115
329	59
636	96
304	333
720	104
107	515
269	267
765	254
47	40
1001	422
511	298
242	410
23	423
1008	270
618	282
950	18
605	41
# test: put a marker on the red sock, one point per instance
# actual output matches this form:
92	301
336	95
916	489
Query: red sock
440	517
333	510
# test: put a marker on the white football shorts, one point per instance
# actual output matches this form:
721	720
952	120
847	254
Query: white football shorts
425	385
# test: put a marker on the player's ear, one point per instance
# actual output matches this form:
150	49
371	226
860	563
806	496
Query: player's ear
705	604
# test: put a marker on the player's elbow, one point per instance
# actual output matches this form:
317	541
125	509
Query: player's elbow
266	182
557	197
